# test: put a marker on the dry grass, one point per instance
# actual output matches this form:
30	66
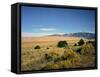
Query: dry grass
34	59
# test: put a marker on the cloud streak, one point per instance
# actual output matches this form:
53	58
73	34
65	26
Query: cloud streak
47	29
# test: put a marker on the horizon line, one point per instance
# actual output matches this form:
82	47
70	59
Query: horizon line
24	34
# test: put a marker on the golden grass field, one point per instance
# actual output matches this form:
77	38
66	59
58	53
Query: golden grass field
34	59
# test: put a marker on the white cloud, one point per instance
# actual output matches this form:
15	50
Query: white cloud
47	29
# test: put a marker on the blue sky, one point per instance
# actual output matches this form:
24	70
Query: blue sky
40	21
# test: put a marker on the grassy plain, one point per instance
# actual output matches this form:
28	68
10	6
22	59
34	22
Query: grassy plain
49	56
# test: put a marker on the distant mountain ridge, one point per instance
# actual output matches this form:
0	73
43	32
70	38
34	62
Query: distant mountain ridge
78	34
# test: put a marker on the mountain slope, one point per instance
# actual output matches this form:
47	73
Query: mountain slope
78	34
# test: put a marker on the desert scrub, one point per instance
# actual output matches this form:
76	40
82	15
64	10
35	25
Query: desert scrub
52	65
88	49
37	47
47	57
47	47
62	44
59	65
91	42
33	64
53	56
71	56
81	42
49	65
75	44
77	49
65	64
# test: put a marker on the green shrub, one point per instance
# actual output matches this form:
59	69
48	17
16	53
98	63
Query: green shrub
37	47
62	44
81	42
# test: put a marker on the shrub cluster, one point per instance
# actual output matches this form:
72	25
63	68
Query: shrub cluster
66	60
